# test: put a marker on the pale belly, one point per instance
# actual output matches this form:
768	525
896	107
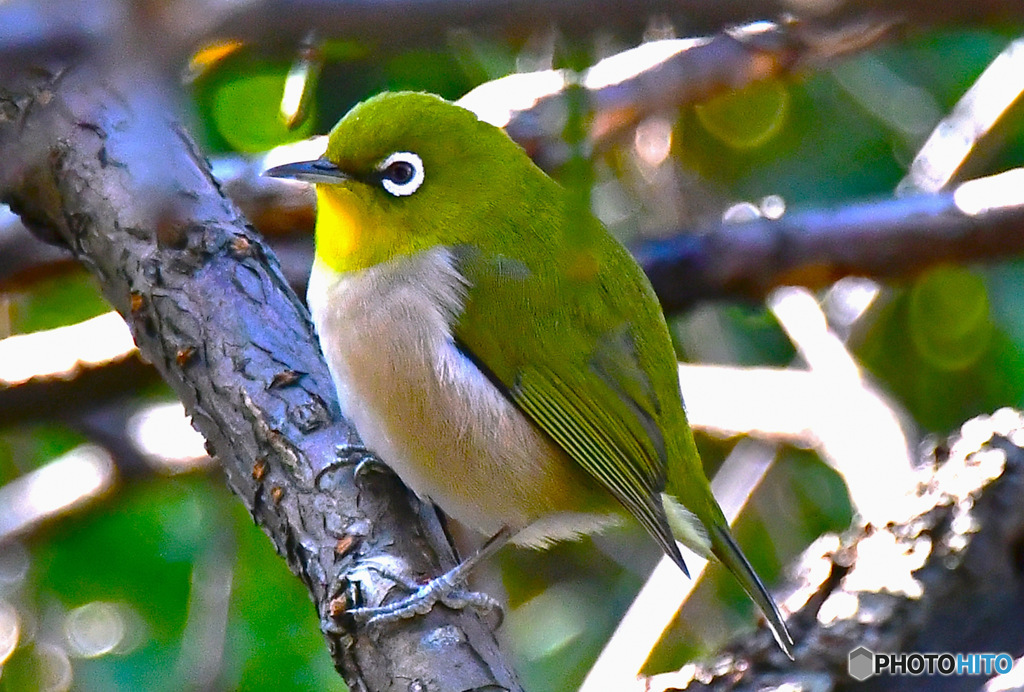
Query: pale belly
435	418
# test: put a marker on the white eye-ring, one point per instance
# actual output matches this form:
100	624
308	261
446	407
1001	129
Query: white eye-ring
401	174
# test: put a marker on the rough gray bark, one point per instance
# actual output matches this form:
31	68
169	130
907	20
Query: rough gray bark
95	161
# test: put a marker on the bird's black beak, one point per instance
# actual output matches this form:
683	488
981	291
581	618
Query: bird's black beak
319	171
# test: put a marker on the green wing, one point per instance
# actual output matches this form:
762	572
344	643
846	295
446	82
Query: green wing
568	349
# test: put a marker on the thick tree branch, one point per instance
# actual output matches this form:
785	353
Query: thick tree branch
93	160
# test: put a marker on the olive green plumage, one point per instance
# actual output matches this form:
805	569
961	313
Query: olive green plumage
490	287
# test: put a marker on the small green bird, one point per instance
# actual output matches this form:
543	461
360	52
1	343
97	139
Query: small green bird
495	345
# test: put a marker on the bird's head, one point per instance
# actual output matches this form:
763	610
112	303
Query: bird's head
405	172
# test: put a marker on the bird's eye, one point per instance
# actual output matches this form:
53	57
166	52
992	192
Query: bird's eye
401	174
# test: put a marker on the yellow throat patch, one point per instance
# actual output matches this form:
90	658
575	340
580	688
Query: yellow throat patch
338	226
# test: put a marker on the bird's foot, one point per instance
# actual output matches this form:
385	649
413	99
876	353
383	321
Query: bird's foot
362	457
355	455
370	464
445	589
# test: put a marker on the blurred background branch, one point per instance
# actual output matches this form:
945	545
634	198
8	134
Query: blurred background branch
75	26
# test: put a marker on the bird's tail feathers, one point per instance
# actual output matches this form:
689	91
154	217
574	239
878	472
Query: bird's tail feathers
723	545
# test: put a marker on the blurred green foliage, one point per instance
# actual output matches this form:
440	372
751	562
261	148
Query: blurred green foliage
940	349
946	346
747	118
162	552
56	301
239	105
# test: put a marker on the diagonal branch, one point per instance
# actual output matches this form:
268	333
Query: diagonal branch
91	159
